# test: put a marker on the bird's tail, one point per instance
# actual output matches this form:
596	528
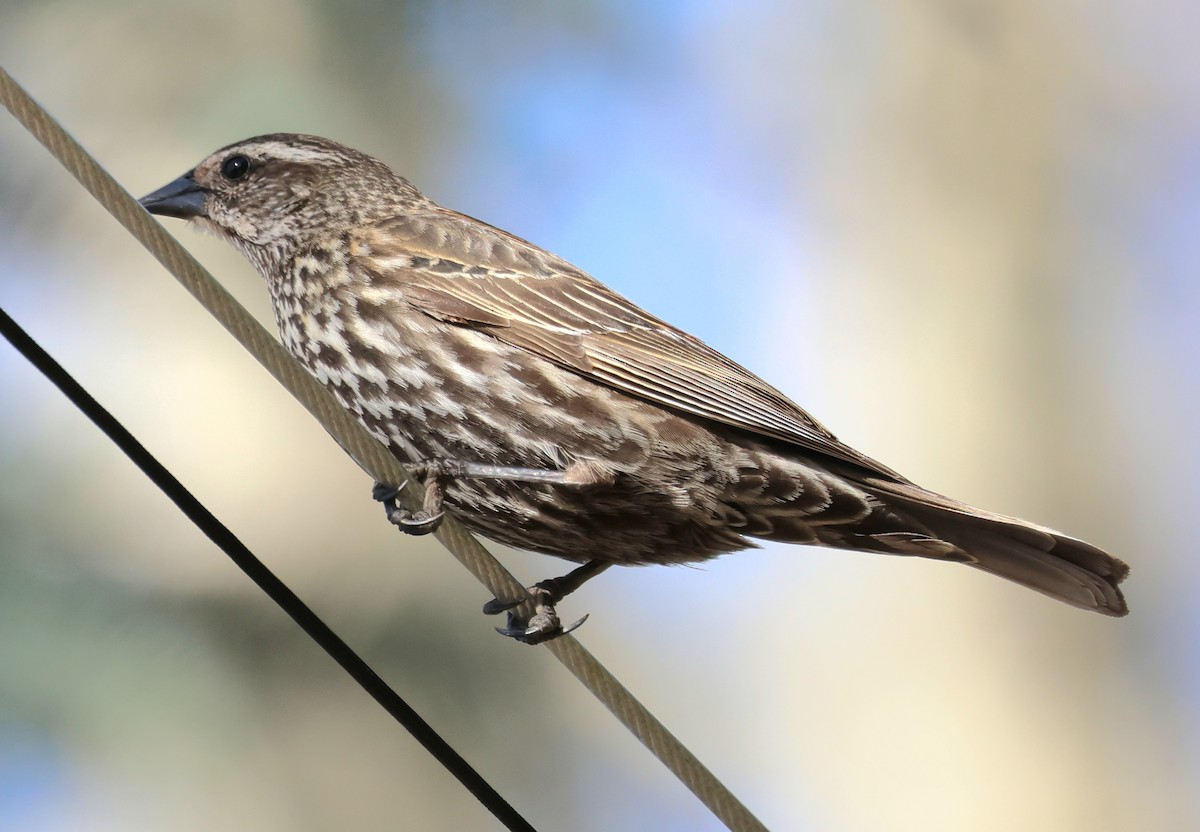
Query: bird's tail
1034	556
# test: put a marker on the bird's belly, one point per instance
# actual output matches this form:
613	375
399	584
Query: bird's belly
618	522
444	392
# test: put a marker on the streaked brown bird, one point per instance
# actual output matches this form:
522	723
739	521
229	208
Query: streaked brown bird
552	414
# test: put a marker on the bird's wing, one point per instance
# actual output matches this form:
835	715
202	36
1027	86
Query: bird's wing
458	269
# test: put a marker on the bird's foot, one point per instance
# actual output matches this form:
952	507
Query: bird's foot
544	624
424	521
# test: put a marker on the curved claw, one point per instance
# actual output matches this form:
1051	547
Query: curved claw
518	633
574	626
381	493
496	606
535	634
387	494
418	524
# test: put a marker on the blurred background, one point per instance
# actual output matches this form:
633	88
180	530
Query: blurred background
963	233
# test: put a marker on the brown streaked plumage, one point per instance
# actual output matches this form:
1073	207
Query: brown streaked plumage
452	340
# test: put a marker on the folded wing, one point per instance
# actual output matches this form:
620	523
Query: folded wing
466	272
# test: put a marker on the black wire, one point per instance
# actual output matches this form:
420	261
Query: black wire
258	572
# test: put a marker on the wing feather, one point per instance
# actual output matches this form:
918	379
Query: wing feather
466	272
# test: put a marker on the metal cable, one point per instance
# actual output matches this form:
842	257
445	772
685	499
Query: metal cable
267	581
363	448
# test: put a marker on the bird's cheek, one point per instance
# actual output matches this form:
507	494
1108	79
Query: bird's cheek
207	226
241	226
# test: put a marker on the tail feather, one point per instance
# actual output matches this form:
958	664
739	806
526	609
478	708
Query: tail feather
1036	557
1067	569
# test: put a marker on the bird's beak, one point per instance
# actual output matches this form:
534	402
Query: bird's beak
182	198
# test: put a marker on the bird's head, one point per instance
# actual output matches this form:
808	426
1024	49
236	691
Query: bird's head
271	195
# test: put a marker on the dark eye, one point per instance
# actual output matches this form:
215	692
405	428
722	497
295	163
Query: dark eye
235	167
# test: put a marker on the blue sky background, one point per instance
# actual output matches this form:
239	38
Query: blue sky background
963	234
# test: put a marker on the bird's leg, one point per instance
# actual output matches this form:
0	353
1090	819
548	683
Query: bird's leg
435	474
544	624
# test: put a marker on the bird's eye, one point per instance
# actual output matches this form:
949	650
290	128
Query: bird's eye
235	167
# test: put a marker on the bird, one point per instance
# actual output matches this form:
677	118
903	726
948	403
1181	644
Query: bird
548	412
